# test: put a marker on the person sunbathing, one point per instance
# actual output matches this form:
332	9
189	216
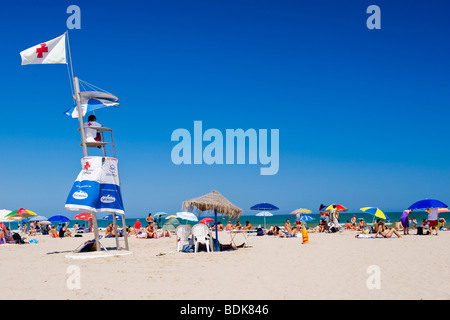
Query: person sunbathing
386	233
229	226
53	233
248	226
150	231
109	231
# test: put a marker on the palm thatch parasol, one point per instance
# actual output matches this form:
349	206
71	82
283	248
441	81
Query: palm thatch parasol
216	202
211	202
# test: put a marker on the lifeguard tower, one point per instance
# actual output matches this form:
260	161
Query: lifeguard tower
85	102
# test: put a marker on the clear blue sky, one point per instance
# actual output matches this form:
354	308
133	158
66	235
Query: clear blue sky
363	114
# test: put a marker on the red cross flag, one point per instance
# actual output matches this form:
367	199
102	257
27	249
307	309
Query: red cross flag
53	51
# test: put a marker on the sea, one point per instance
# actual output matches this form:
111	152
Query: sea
278	219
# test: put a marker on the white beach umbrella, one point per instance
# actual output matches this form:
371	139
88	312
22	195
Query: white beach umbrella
187	216
3	217
264	214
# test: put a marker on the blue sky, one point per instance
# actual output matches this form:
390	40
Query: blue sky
362	114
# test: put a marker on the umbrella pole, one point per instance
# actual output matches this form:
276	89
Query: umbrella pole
217	233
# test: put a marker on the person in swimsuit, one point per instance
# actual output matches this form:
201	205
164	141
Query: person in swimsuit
386	233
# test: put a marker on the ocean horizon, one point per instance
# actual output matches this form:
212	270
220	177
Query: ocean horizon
277	219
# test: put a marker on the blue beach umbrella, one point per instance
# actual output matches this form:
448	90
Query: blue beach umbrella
427	203
264	206
58	218
305	218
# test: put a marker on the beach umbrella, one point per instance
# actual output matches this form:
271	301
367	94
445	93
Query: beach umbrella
301	211
264	214
376	212
171	216
264	206
58	218
44	222
206	220
159	215
443	210
21	214
83	216
93	100
108	217
37	218
216	202
427	203
305	218
189	216
339	208
3	215
170	224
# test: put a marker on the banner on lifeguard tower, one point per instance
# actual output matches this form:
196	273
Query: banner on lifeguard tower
97	187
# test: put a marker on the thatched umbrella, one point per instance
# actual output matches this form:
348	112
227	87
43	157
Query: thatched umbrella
214	201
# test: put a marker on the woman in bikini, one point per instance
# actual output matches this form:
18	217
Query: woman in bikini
386	233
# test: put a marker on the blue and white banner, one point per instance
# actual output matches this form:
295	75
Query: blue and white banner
97	187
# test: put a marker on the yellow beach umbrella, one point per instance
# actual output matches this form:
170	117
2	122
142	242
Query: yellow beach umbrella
21	214
301	211
172	216
375	212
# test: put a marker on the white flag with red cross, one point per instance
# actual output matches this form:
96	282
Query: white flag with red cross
53	51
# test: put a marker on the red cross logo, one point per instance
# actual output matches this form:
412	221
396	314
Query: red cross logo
87	166
89	124
41	50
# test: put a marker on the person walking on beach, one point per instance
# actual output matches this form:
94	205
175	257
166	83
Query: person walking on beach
405	221
137	225
333	217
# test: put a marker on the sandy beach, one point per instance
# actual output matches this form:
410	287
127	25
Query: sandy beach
331	266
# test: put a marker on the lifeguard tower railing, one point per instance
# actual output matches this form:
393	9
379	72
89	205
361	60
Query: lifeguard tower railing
103	143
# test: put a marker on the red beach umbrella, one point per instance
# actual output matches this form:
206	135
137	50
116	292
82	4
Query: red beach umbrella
83	216
206	220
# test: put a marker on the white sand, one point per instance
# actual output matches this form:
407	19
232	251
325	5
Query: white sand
331	266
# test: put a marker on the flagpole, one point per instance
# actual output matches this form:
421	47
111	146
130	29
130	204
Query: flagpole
76	87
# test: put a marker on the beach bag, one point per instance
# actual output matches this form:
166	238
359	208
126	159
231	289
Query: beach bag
188	248
259	232
420	231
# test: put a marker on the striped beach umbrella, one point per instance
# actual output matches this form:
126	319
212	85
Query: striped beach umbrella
301	211
305	218
376	212
21	214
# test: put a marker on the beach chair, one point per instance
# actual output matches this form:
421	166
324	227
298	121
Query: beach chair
199	233
182	234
